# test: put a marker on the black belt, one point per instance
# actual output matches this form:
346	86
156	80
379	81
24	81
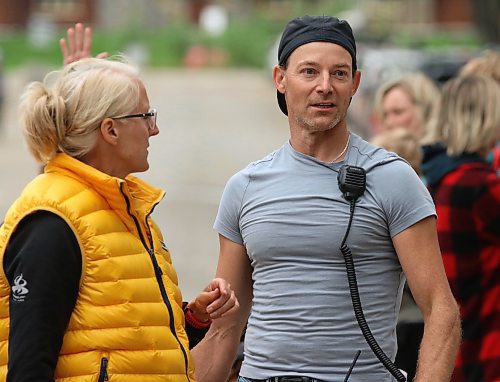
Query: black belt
286	379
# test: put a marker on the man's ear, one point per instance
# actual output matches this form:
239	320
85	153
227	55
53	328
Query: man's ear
279	78
356	82
109	131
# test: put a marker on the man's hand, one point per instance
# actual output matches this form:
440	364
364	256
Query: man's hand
216	300
78	45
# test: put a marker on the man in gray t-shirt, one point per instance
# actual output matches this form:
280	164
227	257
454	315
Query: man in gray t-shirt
282	220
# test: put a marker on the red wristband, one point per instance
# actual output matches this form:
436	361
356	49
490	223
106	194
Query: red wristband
194	322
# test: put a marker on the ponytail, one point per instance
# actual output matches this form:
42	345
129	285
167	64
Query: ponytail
42	119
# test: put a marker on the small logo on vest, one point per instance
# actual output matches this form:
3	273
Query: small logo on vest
19	290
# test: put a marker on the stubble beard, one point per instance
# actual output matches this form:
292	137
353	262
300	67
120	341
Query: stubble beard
308	124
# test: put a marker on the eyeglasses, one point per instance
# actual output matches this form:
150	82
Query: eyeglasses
151	116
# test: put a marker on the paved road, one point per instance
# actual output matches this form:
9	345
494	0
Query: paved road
212	123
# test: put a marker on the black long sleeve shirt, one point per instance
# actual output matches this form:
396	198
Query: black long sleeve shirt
43	264
43	254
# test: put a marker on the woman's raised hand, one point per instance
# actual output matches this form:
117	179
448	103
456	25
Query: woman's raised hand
78	44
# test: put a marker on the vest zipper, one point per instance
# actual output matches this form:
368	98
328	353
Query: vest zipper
103	371
158	273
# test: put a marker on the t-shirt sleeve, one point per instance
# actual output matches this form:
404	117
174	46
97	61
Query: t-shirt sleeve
227	220
43	265
403	195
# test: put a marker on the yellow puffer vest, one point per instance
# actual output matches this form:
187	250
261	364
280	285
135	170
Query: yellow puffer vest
128	323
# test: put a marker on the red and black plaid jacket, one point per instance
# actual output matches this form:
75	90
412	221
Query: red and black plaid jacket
468	207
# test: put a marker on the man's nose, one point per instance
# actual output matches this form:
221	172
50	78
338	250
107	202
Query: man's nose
325	83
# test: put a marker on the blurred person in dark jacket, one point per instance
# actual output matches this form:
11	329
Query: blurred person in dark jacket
435	160
466	191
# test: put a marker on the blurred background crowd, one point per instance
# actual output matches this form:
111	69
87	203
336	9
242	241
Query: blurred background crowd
433	36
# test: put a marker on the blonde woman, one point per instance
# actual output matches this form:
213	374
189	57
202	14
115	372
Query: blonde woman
88	291
487	64
409	101
467	197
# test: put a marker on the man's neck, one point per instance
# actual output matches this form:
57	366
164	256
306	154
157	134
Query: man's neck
326	146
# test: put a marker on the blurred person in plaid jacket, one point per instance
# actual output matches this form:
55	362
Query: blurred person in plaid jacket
488	64
466	191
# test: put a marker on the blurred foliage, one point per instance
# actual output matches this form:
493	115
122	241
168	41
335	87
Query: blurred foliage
16	50
436	41
246	43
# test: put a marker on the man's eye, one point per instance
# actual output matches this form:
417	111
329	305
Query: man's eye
309	71
341	73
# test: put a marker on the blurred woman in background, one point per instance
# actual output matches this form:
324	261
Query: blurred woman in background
487	64
409	101
467	198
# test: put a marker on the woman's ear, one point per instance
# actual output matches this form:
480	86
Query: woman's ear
109	132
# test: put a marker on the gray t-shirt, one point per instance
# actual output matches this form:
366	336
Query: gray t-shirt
288	212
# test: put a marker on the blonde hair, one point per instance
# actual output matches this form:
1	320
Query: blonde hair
470	114
487	65
402	142
64	112
423	93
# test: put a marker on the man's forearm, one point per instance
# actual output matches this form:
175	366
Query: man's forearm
439	347
215	354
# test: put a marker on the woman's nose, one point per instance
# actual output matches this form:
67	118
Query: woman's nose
154	131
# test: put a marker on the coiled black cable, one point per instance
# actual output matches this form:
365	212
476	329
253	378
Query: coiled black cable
358	309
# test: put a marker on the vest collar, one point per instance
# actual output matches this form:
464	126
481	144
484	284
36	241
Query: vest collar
144	195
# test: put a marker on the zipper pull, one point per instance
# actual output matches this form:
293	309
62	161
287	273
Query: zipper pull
155	263
103	372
